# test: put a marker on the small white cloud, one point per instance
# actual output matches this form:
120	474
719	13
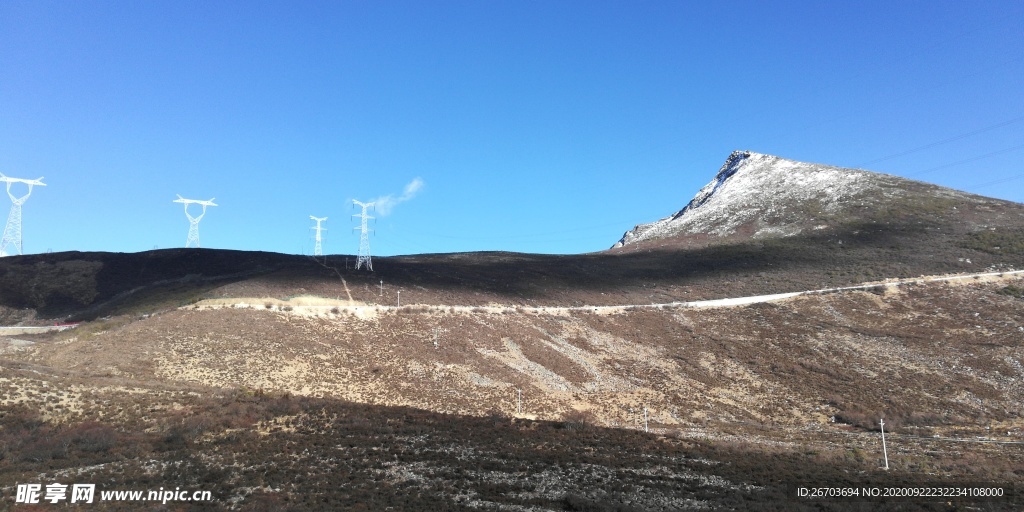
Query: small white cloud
384	204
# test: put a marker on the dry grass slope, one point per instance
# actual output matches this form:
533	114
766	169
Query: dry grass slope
245	400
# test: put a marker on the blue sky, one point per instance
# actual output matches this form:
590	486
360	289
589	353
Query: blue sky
533	126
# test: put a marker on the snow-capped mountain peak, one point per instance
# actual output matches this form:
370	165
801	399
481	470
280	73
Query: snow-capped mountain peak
756	196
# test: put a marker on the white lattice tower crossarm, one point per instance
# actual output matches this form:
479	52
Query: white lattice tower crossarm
318	248
364	239
11	242
193	222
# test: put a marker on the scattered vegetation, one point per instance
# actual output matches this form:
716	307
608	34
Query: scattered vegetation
412	310
895	417
49	285
1001	242
407	459
1013	291
578	420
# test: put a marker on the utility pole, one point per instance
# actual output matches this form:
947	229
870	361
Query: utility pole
12	231
885	453
381	287
193	222
399	298
519	401
318	249
645	420
364	238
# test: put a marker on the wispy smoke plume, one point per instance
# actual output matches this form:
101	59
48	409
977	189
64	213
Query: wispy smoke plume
385	204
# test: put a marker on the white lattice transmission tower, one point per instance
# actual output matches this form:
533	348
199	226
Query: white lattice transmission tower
193	222
11	242
364	237
318	249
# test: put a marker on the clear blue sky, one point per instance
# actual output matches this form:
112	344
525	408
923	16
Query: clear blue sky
534	126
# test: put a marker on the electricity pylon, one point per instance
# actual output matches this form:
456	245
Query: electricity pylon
12	232
193	222
364	238
318	249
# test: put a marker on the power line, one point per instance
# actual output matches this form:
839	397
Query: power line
969	160
532	236
996	182
943	141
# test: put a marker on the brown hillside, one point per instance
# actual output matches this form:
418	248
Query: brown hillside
742	397
927	355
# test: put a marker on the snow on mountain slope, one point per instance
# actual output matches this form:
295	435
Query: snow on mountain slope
759	196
